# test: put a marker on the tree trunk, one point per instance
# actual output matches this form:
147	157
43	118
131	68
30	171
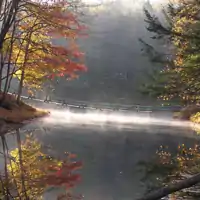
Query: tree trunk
9	21
1	73
21	165
175	187
24	64
7	80
5	168
1	67
21	83
9	63
9	83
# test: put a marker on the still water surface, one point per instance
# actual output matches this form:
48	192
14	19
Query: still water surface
110	153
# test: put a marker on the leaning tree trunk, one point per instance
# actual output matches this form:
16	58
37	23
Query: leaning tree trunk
172	188
21	165
23	68
9	17
21	83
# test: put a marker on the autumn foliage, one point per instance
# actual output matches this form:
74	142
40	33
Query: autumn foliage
177	80
33	171
181	165
30	52
62	175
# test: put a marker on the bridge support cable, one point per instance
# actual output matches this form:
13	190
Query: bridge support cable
85	105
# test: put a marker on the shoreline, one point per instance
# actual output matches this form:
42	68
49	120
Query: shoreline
15	114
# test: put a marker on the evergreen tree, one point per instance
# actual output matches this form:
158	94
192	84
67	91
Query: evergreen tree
181	63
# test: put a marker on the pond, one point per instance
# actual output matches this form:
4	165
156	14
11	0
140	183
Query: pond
111	154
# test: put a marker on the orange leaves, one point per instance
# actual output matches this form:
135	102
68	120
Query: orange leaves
71	156
58	50
41	170
63	175
69	196
81	67
61	64
78	54
46	21
60	18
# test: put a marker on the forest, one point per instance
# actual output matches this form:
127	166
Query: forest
29	55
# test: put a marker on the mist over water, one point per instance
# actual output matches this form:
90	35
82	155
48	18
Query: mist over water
110	143
115	119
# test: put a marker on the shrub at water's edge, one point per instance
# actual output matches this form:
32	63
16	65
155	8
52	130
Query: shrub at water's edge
190	113
195	118
14	112
187	112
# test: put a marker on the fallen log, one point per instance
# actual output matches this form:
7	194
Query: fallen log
174	187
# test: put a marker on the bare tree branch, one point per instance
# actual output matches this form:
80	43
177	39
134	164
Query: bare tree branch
11	14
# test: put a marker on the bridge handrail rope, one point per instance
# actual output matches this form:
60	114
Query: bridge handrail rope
136	107
104	105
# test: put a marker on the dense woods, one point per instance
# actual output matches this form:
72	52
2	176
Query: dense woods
180	32
176	81
27	51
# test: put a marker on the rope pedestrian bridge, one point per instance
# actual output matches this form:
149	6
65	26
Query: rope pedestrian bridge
101	106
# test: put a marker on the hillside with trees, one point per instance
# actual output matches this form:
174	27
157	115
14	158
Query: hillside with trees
179	78
116	67
176	81
27	51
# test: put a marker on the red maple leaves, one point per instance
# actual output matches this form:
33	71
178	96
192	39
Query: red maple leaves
50	21
64	173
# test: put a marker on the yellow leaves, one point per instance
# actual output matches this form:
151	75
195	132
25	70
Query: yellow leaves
186	159
17	74
195	118
33	52
184	60
33	167
178	61
184	22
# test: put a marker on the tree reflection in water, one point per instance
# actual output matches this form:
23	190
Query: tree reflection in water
171	167
28	172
